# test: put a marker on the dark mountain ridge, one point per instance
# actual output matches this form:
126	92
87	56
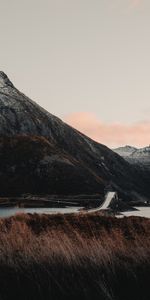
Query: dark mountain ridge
39	153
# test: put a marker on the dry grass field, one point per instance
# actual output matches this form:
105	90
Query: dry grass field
83	256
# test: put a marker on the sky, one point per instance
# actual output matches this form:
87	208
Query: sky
86	61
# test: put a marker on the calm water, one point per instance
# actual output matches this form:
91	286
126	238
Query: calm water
141	212
11	211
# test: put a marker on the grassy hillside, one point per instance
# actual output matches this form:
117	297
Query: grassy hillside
74	257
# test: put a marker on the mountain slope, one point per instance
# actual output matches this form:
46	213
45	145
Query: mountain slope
52	157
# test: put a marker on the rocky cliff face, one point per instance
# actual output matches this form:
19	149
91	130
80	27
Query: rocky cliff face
20	115
41	154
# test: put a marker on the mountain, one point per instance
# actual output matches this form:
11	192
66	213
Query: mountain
41	154
134	155
125	151
142	153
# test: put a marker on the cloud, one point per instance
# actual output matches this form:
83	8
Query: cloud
135	3
114	134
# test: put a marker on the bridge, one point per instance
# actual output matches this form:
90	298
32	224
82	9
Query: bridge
108	199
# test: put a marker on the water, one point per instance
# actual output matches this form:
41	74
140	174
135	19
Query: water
141	212
11	211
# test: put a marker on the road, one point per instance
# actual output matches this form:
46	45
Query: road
108	198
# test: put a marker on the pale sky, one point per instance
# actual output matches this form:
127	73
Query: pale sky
82	58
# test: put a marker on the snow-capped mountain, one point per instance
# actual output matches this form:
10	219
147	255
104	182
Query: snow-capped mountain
125	151
135	155
39	153
143	152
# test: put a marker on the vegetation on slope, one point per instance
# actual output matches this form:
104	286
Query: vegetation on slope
36	165
31	164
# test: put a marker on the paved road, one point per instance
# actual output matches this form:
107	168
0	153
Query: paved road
108	198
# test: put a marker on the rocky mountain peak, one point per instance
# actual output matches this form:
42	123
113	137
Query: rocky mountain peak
4	80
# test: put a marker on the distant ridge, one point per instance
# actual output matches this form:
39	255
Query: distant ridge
125	150
135	155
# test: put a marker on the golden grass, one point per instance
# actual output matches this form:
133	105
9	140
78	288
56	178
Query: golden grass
84	256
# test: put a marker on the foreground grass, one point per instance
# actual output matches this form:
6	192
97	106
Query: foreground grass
82	256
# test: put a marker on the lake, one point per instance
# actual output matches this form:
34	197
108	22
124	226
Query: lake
11	211
141	212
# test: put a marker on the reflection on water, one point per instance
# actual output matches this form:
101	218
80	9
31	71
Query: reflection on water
141	212
11	211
